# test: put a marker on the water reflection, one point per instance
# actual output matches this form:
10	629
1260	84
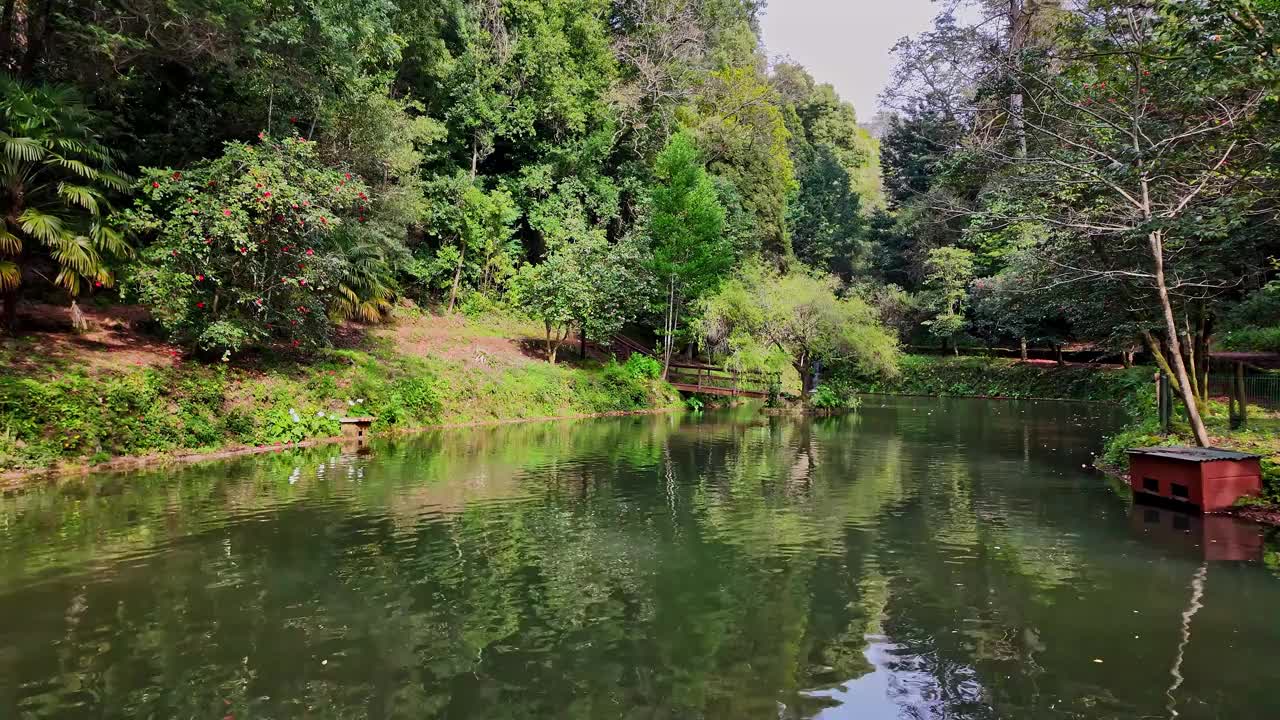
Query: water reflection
921	559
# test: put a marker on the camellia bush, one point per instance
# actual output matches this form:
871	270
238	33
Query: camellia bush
247	249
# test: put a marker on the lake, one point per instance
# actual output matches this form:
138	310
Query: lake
921	558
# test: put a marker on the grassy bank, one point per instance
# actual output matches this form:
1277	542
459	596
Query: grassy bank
1000	377
1260	437
73	401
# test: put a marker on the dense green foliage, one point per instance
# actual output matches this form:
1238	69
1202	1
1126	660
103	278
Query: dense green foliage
1109	167
764	319
993	377
461	152
57	174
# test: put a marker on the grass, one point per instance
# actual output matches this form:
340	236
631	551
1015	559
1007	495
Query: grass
1260	437
60	412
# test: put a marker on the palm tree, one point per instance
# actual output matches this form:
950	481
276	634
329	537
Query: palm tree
54	176
366	283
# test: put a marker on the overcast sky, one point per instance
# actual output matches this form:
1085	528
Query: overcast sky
845	42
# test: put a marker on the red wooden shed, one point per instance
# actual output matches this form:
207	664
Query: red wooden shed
1207	478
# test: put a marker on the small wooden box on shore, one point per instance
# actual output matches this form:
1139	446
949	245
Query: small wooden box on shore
1209	479
356	428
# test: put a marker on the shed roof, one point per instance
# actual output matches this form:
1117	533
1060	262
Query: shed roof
1192	454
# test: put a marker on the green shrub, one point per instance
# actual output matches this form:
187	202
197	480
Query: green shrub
250	248
1265	339
643	366
996	377
625	387
285	424
694	403
825	398
476	304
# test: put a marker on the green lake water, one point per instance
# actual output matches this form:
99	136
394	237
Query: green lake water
919	559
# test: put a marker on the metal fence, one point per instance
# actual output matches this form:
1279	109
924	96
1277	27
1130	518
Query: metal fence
1261	389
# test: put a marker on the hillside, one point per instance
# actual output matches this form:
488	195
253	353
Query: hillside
76	399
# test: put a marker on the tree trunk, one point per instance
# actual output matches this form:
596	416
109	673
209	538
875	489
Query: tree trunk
6	29
1156	241
1206	332
1242	398
36	40
1057	354
457	274
1154	348
1022	349
669	327
582	342
11	310
551	348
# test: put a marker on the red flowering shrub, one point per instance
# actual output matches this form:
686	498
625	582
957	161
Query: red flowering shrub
247	249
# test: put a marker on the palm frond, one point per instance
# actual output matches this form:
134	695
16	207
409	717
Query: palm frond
43	226
85	197
10	275
76	254
75	166
109	240
24	149
10	244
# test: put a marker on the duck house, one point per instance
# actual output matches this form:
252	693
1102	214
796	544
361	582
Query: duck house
1206	478
356	428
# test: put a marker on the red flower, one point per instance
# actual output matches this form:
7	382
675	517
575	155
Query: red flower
199	278
348	176
177	176
97	283
324	220
310	251
213	183
293	120
155	184
295	343
303	281
306	203
266	194
173	253
226	211
208	241
199	304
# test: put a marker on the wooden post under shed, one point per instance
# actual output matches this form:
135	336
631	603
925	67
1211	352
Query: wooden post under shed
357	428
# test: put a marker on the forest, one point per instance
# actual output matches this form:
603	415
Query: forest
257	174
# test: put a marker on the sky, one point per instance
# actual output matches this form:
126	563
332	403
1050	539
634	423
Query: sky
845	42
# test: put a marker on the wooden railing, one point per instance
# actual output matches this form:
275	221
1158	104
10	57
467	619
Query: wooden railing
712	380
699	377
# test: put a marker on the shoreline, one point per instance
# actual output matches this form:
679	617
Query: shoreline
988	397
16	480
1265	515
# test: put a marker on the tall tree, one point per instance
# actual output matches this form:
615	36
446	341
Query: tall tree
687	228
